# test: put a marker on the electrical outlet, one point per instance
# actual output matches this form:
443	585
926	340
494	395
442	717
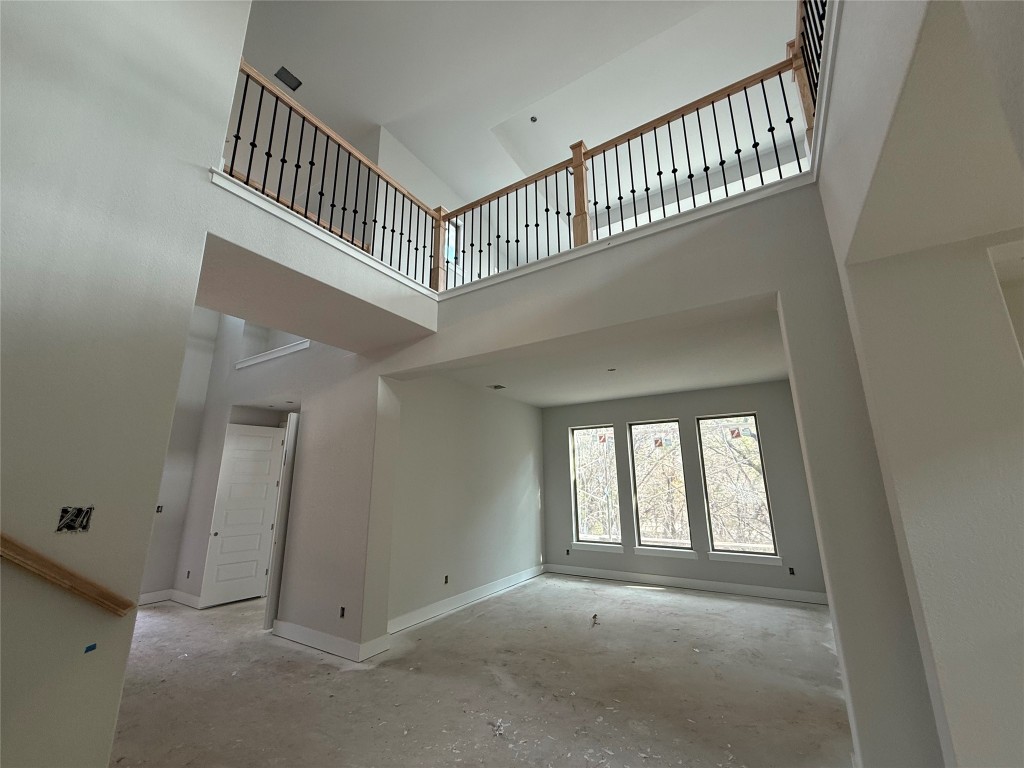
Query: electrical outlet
159	508
188	574
792	572
567	551
446	579
74	519
341	613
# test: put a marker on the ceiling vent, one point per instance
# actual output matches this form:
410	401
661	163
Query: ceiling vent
496	386
288	78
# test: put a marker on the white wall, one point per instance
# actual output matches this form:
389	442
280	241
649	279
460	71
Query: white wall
775	246
941	368
468	495
181	452
946	392
111	113
1013	295
396	159
787	487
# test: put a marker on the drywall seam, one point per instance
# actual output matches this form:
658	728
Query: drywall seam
455	602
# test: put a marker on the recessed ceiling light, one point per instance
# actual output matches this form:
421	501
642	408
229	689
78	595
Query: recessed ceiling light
496	386
270	406
288	78
612	369
533	118
289	402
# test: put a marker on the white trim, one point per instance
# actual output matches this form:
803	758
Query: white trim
235	187
192	601
685	554
669	222
745	557
148	598
287	349
337	646
831	38
450	604
775	593
597	546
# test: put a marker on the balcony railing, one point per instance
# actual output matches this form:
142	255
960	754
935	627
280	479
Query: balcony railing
749	134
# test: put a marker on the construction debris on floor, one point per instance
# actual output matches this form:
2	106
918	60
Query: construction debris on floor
670	678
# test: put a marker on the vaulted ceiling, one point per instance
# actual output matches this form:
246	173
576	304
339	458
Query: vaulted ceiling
457	82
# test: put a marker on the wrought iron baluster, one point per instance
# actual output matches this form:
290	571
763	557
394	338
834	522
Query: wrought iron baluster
284	154
689	166
607	196
618	183
753	135
238	128
366	207
537	217
255	133
735	136
334	186
721	157
298	161
789	121
675	170
704	155
771	128
323	178
632	183
270	145
344	197
657	157
647	183
309	175
355	199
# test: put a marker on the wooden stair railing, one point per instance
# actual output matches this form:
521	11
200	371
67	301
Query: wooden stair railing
58	575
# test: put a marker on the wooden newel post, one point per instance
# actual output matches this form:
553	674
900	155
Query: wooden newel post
802	83
581	219
438	275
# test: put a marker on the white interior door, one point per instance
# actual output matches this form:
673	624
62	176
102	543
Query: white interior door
241	537
281	527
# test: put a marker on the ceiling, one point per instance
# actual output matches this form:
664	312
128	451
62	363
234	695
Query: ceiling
737	343
457	82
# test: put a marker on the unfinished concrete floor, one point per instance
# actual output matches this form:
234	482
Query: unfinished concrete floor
666	677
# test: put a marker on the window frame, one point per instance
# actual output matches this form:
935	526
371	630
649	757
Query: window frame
632	480
574	490
764	478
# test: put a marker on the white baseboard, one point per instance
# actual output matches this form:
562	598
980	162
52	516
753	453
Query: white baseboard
148	598
192	601
337	646
420	615
750	590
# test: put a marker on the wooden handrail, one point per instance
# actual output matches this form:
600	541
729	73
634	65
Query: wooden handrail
693	106
57	574
246	68
510	188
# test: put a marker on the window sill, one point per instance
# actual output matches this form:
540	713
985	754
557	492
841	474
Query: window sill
685	554
287	349
594	546
744	557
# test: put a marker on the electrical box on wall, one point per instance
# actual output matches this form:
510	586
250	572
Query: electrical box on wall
74	519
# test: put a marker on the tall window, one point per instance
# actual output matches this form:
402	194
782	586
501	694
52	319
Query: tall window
660	496
734	484
595	486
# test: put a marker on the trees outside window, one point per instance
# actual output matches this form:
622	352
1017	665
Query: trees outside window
739	515
595	485
659	493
